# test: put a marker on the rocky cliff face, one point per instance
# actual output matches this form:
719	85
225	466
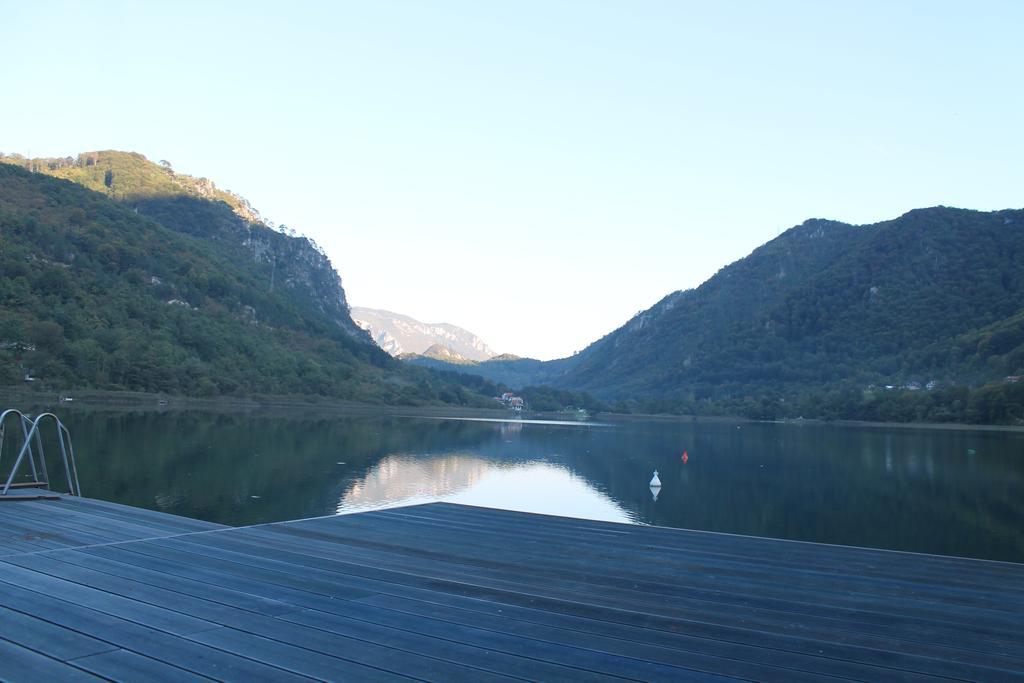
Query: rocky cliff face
381	337
399	334
296	264
292	264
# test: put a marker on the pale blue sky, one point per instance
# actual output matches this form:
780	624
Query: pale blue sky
535	172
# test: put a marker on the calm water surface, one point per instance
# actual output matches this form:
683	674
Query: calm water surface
935	491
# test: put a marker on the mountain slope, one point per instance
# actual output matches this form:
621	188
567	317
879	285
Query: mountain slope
823	303
95	294
442	352
398	334
509	371
292	266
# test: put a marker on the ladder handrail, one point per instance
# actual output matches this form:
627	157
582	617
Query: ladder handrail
26	425
66	449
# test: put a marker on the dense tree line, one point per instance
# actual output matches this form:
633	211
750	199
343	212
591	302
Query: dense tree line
808	321
550	399
1000	403
936	294
133	277
92	294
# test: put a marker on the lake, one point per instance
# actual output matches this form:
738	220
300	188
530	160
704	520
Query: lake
952	492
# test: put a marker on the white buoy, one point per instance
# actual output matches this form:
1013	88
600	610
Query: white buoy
655	482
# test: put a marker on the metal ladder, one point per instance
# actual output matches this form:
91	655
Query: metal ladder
36	459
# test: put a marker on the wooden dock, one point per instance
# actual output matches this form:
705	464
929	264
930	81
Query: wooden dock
452	593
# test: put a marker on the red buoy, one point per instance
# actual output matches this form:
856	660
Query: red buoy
685	457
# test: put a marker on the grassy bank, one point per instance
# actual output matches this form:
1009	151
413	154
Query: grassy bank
94	399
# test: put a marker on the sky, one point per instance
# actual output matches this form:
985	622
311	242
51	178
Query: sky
536	172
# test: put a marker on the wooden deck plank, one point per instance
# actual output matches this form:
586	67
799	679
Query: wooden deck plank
295	659
889	596
228	595
125	665
130	589
448	592
41	525
42	536
98	521
358	644
328	599
364	638
369	635
391	652
15	545
279	555
344	559
71	532
892	597
677	651
885	655
165	647
130	513
760	549
807	646
60	510
21	664
101	601
533	656
655	542
273	576
792	595
844	565
40	635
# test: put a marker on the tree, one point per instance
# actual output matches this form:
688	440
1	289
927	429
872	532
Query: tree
47	336
54	281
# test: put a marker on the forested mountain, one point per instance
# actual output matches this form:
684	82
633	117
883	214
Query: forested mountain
135	277
118	273
440	352
504	369
827	303
294	267
936	295
400	334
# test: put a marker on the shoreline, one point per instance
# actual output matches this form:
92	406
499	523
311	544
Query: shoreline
735	419
100	399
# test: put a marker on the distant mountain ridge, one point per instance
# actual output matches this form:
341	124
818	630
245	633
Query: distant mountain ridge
439	352
401	334
936	295
505	369
117	273
824	303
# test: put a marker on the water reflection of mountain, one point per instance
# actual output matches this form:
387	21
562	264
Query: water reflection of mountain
399	478
467	478
909	489
903	489
246	468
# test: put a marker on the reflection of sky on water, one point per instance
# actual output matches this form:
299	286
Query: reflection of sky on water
520	422
951	492
456	478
